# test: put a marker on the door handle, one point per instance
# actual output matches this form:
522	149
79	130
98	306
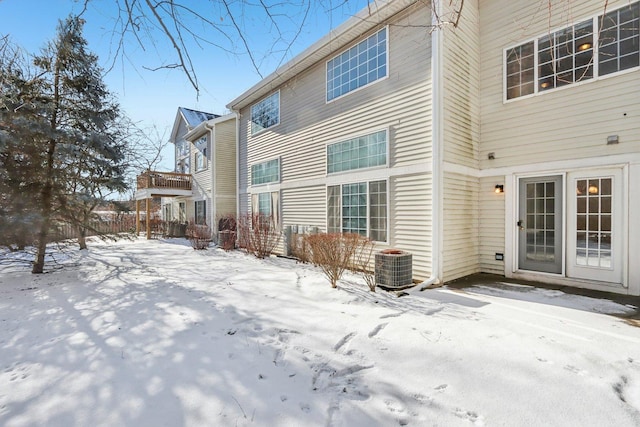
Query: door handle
520	226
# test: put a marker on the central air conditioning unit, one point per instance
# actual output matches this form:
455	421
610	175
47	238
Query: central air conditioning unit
394	269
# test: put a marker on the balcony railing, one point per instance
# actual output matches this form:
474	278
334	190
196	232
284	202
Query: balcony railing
164	180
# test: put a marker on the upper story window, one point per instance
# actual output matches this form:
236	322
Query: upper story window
265	172
182	156
363	152
265	113
201	153
358	66
566	56
619	39
592	48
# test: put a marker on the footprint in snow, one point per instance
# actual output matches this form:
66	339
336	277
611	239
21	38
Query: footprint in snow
305	407
441	387
343	341
377	329
470	415
575	370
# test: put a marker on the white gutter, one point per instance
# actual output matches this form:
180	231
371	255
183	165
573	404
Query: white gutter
437	123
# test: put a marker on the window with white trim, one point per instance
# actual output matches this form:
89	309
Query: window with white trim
567	56
201	153
265	172
266	113
183	151
358	208
358	66
201	212
266	207
362	152
619	46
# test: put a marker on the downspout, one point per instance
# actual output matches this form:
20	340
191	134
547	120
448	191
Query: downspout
237	186
213	166
437	123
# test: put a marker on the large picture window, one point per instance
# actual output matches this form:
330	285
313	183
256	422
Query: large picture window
568	56
363	152
265	172
358	208
266	113
358	66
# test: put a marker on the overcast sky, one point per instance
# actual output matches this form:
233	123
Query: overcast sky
224	72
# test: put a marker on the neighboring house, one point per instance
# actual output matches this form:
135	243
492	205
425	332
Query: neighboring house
205	147
509	145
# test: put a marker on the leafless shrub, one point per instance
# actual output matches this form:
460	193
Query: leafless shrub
199	235
362	260
258	234
333	253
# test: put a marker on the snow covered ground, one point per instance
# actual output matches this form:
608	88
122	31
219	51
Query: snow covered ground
153	333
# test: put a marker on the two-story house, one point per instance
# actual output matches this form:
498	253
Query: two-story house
508	143
205	150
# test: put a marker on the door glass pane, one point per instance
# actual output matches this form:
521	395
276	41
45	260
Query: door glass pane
593	224
540	221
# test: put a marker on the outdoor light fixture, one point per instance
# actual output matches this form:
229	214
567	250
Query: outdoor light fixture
584	46
491	156
499	189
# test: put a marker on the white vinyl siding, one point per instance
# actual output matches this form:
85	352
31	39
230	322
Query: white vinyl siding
410	204
265	113
460	222
461	142
362	152
358	66
491	225
224	172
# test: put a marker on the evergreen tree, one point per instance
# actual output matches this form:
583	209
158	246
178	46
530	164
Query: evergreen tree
61	123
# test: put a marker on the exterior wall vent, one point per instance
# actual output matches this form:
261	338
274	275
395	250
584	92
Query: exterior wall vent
394	269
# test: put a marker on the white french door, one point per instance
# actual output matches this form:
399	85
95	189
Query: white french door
540	224
595	225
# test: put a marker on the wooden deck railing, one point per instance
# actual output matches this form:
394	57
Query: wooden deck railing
170	180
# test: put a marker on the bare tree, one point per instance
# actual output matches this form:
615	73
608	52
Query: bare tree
230	26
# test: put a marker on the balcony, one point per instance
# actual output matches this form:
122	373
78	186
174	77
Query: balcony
163	184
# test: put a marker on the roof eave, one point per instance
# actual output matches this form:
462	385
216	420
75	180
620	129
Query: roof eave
205	126
331	42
